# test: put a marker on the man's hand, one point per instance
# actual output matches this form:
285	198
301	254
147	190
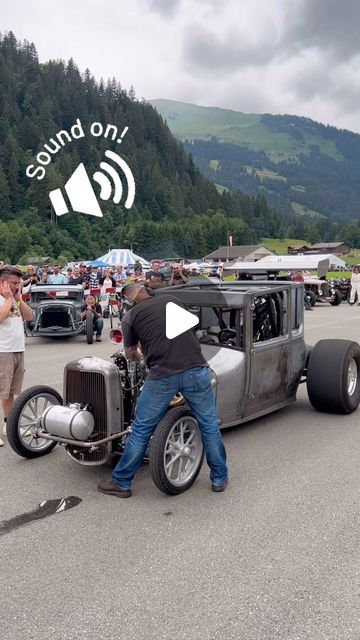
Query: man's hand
5	290
133	353
17	294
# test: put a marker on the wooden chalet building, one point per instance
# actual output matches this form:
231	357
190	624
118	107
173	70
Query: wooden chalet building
241	252
337	248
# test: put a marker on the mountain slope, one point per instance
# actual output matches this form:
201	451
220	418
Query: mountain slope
177	211
299	164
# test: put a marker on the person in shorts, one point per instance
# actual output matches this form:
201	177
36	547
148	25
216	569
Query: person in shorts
13	311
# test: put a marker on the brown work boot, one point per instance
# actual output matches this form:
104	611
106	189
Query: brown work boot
219	488
111	489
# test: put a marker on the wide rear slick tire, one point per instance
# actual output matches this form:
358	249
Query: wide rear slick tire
16	421
176	452
333	376
89	327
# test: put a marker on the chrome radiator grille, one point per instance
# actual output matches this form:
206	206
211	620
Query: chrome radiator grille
89	387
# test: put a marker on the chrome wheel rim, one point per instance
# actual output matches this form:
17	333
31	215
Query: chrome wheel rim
352	376
183	451
28	421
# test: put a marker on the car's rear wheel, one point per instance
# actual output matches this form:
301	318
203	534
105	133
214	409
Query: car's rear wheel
22	421
176	452
333	376
89	327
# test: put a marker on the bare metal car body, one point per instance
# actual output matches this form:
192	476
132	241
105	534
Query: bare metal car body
252	336
56	310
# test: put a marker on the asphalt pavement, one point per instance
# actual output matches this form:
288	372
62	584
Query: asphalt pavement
274	557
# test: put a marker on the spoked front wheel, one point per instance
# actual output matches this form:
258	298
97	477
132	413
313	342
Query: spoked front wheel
21	425
176	452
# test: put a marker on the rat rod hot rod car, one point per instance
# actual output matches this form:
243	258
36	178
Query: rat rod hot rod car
56	309
252	336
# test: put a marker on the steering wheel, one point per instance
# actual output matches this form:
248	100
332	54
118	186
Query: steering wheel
227	336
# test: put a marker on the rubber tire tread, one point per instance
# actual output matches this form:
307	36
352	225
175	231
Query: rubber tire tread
337	300
14	416
312	297
89	327
156	453
327	371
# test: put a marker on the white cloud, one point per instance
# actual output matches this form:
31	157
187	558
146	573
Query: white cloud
274	56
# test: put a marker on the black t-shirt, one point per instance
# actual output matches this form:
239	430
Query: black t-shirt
96	305
146	322
79	280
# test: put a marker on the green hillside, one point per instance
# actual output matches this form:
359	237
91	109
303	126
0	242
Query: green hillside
301	166
177	211
189	121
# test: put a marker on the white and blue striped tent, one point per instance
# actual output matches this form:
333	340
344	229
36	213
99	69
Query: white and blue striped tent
124	257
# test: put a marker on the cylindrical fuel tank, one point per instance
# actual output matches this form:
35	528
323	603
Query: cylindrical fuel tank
68	422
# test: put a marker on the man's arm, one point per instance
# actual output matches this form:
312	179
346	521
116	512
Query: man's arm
25	310
131	342
133	353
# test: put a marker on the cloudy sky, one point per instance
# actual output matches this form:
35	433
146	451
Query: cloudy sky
270	56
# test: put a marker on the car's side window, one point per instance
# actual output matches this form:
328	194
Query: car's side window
270	316
221	325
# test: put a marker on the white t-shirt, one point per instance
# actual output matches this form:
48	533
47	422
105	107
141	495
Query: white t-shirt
12	336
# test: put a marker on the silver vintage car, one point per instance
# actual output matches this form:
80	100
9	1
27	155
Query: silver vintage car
252	336
56	311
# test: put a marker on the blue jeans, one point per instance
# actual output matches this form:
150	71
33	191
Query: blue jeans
153	402
98	326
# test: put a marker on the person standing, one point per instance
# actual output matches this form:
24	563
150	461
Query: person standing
175	366
77	277
119	276
355	285
177	276
57	277
30	277
13	311
155	278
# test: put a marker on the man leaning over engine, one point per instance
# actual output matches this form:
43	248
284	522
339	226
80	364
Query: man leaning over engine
174	366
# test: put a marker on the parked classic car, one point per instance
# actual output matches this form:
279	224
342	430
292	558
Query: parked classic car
319	290
56	310
252	336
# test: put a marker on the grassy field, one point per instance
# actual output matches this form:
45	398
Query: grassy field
301	210
192	121
281	246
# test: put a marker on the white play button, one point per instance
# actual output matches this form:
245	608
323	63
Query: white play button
178	320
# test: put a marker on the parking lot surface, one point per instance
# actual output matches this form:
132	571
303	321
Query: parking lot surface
274	557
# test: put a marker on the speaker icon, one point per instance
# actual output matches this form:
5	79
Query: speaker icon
80	192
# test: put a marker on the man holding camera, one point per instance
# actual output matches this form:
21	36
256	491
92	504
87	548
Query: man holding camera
95	308
177	276
30	277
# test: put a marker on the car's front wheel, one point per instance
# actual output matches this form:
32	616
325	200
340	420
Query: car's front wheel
311	295
176	452
23	418
337	299
333	376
